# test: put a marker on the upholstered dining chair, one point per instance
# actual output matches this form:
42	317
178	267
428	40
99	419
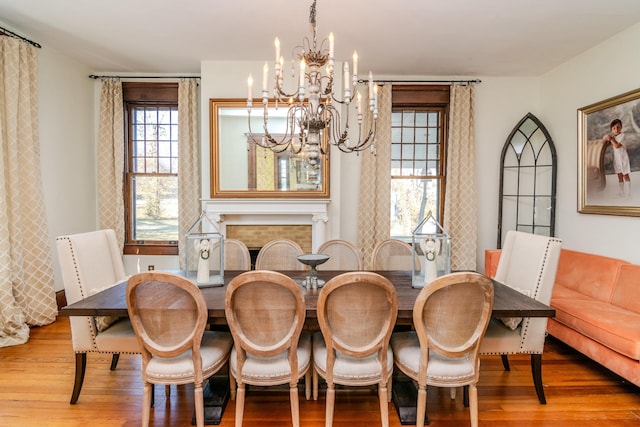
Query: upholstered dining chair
528	263
391	254
356	313
265	311
343	256
236	255
450	317
169	315
91	262
280	254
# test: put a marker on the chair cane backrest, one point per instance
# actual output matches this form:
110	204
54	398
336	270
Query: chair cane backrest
236	255
451	315
392	254
343	256
265	311
356	313
169	315
280	254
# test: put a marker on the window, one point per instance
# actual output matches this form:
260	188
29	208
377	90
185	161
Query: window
151	168
418	148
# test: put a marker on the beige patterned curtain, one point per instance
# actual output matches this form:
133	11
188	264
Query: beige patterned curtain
375	182
27	294
460	207
188	161
111	158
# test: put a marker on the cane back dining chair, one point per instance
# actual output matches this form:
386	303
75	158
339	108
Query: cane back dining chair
392	254
450	317
280	254
356	313
265	311
343	256
528	263
91	262
169	315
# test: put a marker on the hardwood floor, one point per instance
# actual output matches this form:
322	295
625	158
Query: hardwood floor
36	381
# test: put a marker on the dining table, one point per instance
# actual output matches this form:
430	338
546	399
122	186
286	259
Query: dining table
508	302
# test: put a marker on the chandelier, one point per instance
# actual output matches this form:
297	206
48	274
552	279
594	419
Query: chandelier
313	120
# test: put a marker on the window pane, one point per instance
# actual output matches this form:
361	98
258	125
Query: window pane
396	118
411	200
156	208
407	135
408	118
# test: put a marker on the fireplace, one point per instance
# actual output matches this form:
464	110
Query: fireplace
267	215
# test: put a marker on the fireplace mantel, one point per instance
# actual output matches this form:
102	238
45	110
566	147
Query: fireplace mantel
225	212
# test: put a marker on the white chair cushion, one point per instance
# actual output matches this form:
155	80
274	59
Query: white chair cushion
500	339
176	370
272	370
348	370
406	349
119	338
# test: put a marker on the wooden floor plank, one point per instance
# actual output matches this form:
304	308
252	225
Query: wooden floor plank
36	381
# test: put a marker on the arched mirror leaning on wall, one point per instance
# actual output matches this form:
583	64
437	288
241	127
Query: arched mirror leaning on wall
241	168
527	180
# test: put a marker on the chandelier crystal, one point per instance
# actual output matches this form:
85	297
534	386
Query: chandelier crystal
313	116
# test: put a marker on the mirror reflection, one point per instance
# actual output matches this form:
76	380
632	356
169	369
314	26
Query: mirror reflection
241	168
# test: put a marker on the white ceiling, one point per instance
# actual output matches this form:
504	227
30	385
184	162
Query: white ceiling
393	37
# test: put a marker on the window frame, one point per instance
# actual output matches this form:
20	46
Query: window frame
427	98
142	94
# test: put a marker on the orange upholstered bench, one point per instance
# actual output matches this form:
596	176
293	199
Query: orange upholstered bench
597	302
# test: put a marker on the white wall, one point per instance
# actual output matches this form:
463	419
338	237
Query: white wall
66	113
607	70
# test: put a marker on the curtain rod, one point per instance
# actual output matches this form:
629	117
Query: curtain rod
93	76
17	36
422	81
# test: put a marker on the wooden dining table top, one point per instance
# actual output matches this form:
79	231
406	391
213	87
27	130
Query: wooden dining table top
507	301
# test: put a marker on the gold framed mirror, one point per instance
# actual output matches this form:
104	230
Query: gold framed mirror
240	168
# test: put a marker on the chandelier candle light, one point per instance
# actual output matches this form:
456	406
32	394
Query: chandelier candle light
313	107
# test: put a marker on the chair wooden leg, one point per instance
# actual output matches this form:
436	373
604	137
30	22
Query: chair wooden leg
390	389
384	403
146	403
315	384
421	410
295	405
198	398
473	403
505	362
81	366
452	393
240	404
331	399
114	361
536	371
307	384
232	386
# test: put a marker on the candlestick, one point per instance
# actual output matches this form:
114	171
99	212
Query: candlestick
330	45
355	65
265	76
250	85
277	44
370	85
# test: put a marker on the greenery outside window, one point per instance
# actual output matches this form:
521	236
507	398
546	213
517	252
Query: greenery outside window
418	148
151	169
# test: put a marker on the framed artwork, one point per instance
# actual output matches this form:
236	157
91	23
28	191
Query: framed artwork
609	156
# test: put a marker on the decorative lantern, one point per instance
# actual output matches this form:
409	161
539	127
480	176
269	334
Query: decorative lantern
432	252
204	255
